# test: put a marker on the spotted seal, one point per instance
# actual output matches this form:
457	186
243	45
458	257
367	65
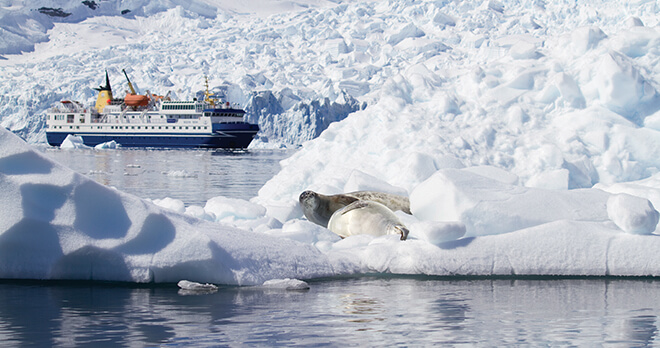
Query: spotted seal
318	208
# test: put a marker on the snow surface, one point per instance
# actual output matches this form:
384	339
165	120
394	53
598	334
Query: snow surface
526	134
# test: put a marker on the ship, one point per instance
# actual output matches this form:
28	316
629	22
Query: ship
150	120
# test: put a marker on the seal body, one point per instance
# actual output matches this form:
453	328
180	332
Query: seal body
318	208
366	217
392	201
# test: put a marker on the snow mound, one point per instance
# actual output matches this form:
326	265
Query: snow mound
632	214
487	206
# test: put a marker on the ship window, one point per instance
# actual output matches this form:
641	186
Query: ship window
69	118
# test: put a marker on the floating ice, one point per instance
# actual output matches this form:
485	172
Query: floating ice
512	128
180	174
194	286
108	145
286	284
73	142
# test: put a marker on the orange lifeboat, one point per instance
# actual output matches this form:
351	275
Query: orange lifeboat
136	100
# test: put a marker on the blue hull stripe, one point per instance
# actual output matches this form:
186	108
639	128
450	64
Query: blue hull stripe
229	139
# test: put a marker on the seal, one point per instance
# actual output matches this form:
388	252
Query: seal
366	217
318	208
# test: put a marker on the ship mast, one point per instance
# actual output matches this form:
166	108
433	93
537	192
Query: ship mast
207	94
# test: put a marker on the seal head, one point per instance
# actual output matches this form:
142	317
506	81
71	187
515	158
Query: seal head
318	208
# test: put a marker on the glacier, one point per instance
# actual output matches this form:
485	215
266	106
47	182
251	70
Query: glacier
526	134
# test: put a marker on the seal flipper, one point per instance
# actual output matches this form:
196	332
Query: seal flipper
355	205
402	230
339	201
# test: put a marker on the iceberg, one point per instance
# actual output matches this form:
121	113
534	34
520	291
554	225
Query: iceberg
66	226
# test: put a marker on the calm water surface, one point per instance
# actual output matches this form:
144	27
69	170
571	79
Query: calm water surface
363	311
193	176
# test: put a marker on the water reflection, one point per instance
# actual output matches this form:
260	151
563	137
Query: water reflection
361	311
640	328
193	176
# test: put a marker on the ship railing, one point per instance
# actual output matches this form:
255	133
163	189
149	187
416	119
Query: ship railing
143	116
101	119
64	110
123	114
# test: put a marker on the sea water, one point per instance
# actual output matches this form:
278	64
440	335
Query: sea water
192	176
360	311
363	311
